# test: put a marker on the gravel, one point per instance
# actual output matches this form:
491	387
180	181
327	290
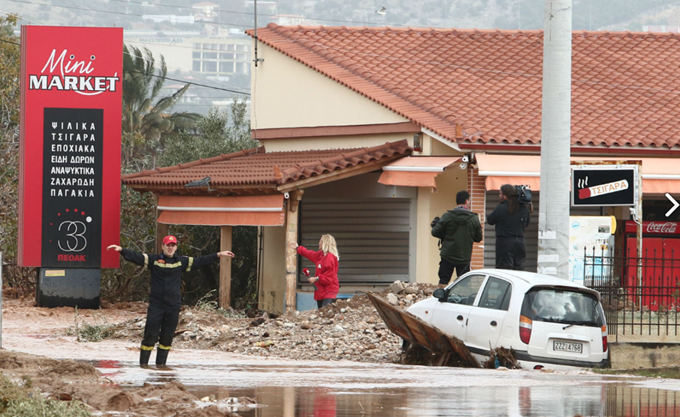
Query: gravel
347	330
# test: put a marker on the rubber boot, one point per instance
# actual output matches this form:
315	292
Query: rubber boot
144	356
162	356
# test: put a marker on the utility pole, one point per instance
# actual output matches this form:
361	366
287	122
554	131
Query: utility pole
553	215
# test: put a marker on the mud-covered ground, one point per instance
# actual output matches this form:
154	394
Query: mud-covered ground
349	330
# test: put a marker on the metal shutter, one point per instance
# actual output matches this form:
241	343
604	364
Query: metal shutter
530	233
373	237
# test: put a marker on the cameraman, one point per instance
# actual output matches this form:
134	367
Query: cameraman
457	229
510	218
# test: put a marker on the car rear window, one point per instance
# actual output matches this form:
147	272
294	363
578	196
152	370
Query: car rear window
563	306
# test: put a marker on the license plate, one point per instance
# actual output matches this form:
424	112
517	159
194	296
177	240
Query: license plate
568	346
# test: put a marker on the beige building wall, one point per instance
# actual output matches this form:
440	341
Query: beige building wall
176	51
287	93
435	204
273	277
333	142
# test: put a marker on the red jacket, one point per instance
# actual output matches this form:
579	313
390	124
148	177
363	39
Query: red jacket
326	270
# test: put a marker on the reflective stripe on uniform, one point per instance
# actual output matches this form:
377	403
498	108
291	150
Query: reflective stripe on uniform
146	260
163	347
147	347
191	262
164	265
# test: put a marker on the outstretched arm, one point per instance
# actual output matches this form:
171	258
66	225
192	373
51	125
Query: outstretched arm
225	253
141	259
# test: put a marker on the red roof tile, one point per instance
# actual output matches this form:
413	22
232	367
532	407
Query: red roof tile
258	169
625	89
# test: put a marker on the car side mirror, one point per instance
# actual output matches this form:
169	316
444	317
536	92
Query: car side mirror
439	294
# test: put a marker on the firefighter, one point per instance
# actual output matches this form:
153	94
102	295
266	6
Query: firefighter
165	298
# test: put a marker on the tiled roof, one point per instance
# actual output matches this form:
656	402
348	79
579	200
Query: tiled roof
484	86
260	170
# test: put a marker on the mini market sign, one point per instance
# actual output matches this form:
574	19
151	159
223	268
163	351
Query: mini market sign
604	185
69	179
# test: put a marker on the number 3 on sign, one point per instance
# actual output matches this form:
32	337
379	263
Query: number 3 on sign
75	241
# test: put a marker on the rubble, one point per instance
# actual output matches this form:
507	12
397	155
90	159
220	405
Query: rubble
347	330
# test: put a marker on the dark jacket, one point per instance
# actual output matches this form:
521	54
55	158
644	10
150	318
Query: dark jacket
458	229
509	224
166	274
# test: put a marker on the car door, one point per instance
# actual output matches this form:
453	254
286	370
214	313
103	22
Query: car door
487	317
451	315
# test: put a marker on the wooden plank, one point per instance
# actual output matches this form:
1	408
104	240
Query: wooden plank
291	254
225	268
415	330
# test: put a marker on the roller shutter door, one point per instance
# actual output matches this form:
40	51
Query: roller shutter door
373	237
530	233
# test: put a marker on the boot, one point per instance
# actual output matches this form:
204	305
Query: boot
144	356
162	356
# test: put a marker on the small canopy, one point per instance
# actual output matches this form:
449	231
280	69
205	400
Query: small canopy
416	171
659	175
261	210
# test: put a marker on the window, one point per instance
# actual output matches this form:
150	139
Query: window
223	47
209	55
241	57
496	294
240	47
226	56
563	306
197	66
209	66
465	290
197	46
196	55
227	67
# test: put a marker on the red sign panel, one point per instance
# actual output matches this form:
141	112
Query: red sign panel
654	227
69	179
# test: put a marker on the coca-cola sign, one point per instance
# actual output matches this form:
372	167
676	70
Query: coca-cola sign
654	228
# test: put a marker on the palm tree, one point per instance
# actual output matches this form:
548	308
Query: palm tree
146	118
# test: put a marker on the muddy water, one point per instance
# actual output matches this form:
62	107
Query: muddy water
292	388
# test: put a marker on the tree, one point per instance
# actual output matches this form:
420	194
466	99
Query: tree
147	121
219	132
15	277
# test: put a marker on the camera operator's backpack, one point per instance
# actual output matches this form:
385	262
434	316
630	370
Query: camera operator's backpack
524	193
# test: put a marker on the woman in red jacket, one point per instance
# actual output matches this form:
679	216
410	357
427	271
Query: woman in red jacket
326	261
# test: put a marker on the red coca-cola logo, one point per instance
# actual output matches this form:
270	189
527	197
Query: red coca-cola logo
655	227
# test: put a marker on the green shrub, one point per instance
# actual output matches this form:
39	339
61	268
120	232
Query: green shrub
19	400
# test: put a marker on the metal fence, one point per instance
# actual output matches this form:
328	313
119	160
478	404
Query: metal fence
640	295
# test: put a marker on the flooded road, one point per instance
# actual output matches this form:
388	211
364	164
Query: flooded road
326	389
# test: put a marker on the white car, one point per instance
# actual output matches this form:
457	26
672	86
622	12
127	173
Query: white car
548	321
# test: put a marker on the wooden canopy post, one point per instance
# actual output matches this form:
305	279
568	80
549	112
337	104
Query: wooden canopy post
225	268
161	232
291	254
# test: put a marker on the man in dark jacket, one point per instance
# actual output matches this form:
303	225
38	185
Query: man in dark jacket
457	229
165	298
510	218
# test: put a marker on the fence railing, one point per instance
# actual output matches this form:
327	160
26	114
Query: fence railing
640	295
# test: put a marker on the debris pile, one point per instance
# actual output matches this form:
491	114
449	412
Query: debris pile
349	329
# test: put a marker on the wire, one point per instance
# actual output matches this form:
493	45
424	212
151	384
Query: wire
273	15
189	82
169	78
110	12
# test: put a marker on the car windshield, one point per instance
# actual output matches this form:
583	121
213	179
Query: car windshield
563	306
